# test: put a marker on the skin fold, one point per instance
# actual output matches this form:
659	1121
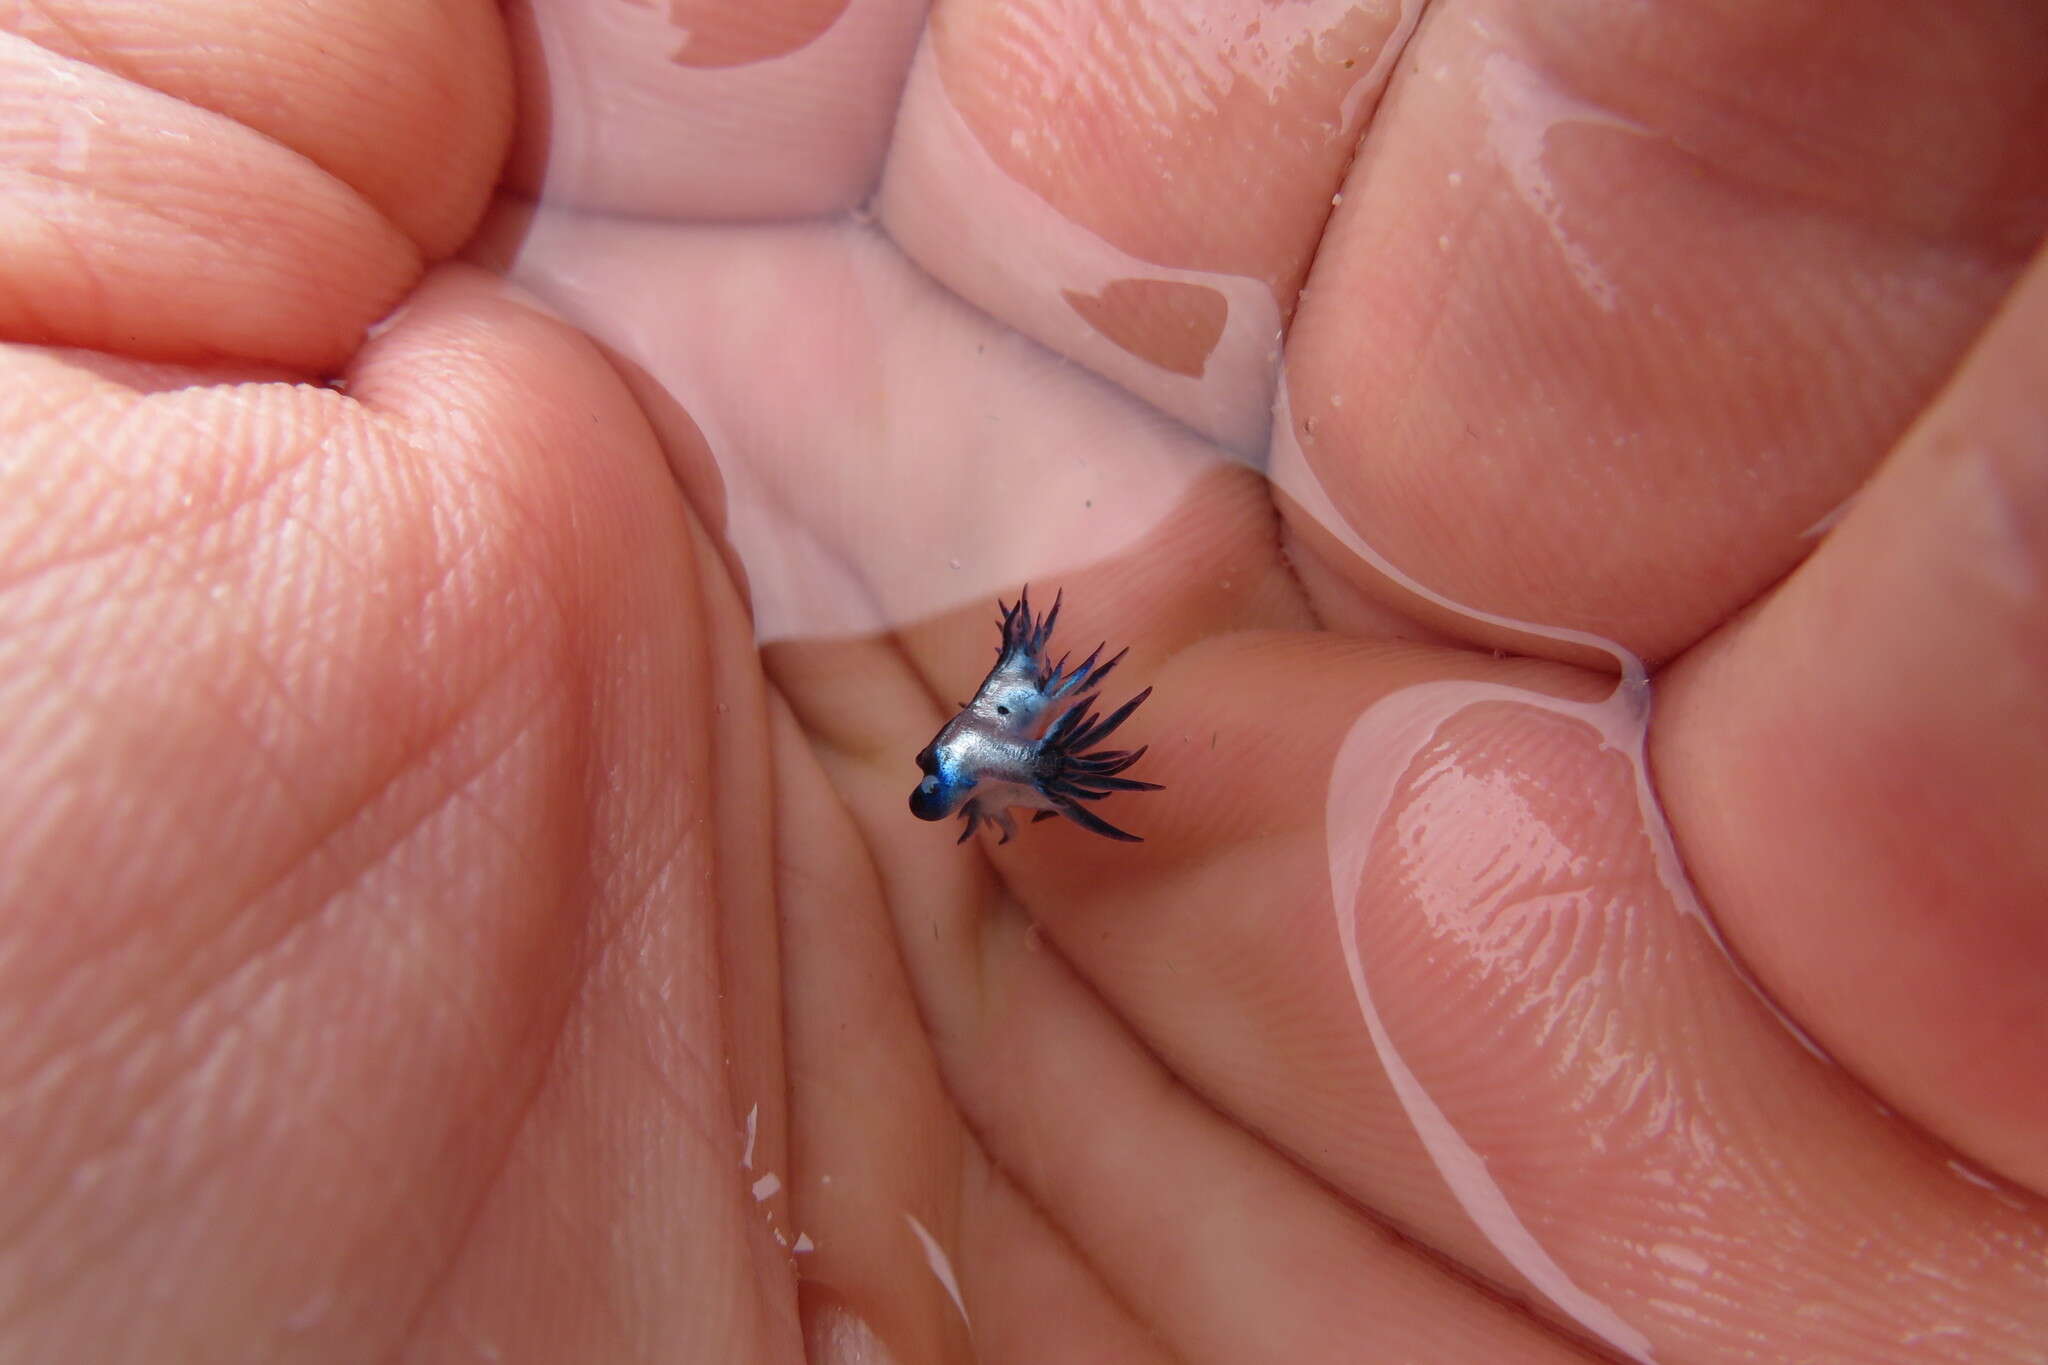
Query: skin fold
492	504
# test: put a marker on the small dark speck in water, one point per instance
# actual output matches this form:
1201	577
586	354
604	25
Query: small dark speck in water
1087	502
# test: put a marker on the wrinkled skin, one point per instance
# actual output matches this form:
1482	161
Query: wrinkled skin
428	915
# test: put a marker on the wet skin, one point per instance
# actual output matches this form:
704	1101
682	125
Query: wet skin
458	898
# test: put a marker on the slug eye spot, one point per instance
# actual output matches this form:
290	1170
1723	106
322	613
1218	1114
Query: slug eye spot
1002	710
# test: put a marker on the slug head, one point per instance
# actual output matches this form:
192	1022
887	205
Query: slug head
942	791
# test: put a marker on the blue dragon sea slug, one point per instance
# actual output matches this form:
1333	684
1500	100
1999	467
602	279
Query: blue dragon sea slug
1027	738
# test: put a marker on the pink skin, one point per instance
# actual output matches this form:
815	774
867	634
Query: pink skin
458	899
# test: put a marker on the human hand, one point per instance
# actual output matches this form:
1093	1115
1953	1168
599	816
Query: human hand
432	926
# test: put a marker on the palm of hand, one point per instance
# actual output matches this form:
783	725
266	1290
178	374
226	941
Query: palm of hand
436	925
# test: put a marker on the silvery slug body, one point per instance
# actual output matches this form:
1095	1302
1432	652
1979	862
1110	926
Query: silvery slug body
1025	739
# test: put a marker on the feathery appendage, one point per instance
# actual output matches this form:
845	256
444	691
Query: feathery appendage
1025	638
1070	772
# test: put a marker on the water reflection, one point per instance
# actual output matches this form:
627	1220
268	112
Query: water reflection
908	408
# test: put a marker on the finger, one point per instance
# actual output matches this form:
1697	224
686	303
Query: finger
1219	1246
1860	766
694	110
876	1150
1003	183
143	225
913	1244
676	1036
345	84
362	738
1228	1248
1054	1305
1616	310
1405	922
